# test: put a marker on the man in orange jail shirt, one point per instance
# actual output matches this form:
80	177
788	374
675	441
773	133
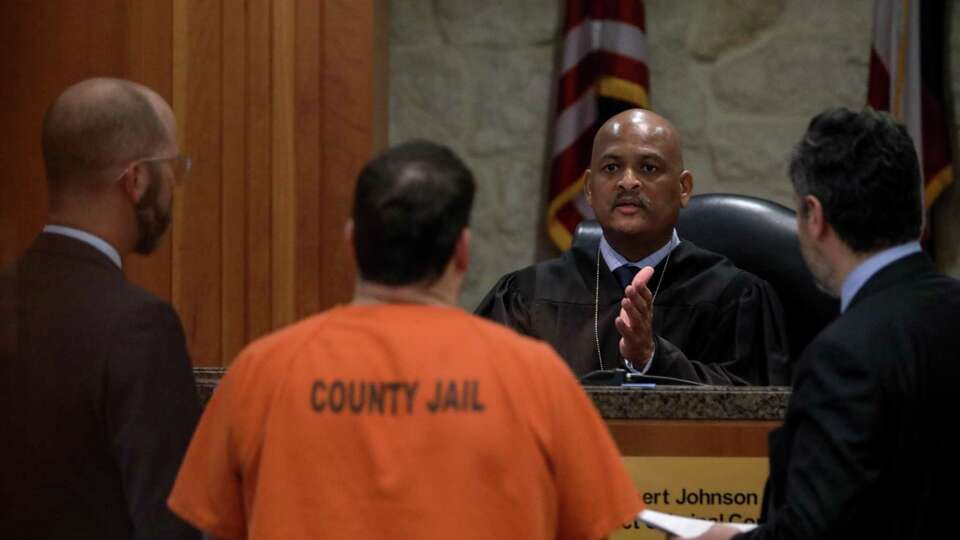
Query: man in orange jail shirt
401	415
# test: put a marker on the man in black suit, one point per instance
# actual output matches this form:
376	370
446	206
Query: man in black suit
863	451
96	388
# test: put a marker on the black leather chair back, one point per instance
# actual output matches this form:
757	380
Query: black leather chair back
760	237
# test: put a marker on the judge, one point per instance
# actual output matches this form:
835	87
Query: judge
643	298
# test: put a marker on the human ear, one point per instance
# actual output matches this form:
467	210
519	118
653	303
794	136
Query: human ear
811	216
348	238
134	181
586	186
686	187
461	251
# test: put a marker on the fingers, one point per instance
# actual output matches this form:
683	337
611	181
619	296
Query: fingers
637	290
636	343
643	276
627	351
635	321
637	314
623	326
640	297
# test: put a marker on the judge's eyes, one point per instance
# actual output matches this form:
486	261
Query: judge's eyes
646	168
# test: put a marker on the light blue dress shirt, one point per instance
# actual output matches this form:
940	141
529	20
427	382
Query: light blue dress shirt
99	243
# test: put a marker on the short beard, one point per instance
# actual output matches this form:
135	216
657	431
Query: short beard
820	271
152	222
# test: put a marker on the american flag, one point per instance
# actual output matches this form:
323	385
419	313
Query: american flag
906	79
603	71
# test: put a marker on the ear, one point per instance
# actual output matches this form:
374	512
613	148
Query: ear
586	186
810	216
348	239
461	251
135	181
686	187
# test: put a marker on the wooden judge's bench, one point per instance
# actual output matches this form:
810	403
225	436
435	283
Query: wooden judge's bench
693	451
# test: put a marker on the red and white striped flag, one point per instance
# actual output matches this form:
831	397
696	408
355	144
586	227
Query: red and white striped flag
906	79
603	72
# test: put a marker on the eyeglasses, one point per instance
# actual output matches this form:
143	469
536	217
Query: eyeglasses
180	163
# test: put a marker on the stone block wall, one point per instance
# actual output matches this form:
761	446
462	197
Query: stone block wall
739	78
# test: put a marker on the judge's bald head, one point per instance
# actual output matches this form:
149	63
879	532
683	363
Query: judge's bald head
636	183
636	122
99	124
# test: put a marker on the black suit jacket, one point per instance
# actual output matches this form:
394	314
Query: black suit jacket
98	400
866	449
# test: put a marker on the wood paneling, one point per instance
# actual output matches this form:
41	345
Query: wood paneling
284	161
691	438
258	136
196	240
278	102
353	60
309	151
233	192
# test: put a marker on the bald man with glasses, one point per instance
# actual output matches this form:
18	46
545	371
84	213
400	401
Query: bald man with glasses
97	392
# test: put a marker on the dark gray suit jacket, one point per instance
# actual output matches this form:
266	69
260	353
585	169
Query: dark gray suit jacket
97	400
866	449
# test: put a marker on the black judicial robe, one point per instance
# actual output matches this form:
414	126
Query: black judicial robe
714	323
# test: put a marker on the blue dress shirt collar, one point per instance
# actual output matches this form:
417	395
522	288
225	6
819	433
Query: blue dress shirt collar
99	243
865	270
615	260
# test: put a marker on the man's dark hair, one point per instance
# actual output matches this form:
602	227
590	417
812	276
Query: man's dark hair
411	204
97	124
863	168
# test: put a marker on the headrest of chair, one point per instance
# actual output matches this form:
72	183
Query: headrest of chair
760	237
749	231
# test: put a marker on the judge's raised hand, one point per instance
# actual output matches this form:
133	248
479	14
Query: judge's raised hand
635	321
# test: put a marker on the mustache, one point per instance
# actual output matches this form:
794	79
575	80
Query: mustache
635	199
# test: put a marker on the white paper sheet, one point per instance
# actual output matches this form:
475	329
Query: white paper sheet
684	527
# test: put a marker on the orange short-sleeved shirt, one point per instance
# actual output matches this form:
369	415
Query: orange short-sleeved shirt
406	421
